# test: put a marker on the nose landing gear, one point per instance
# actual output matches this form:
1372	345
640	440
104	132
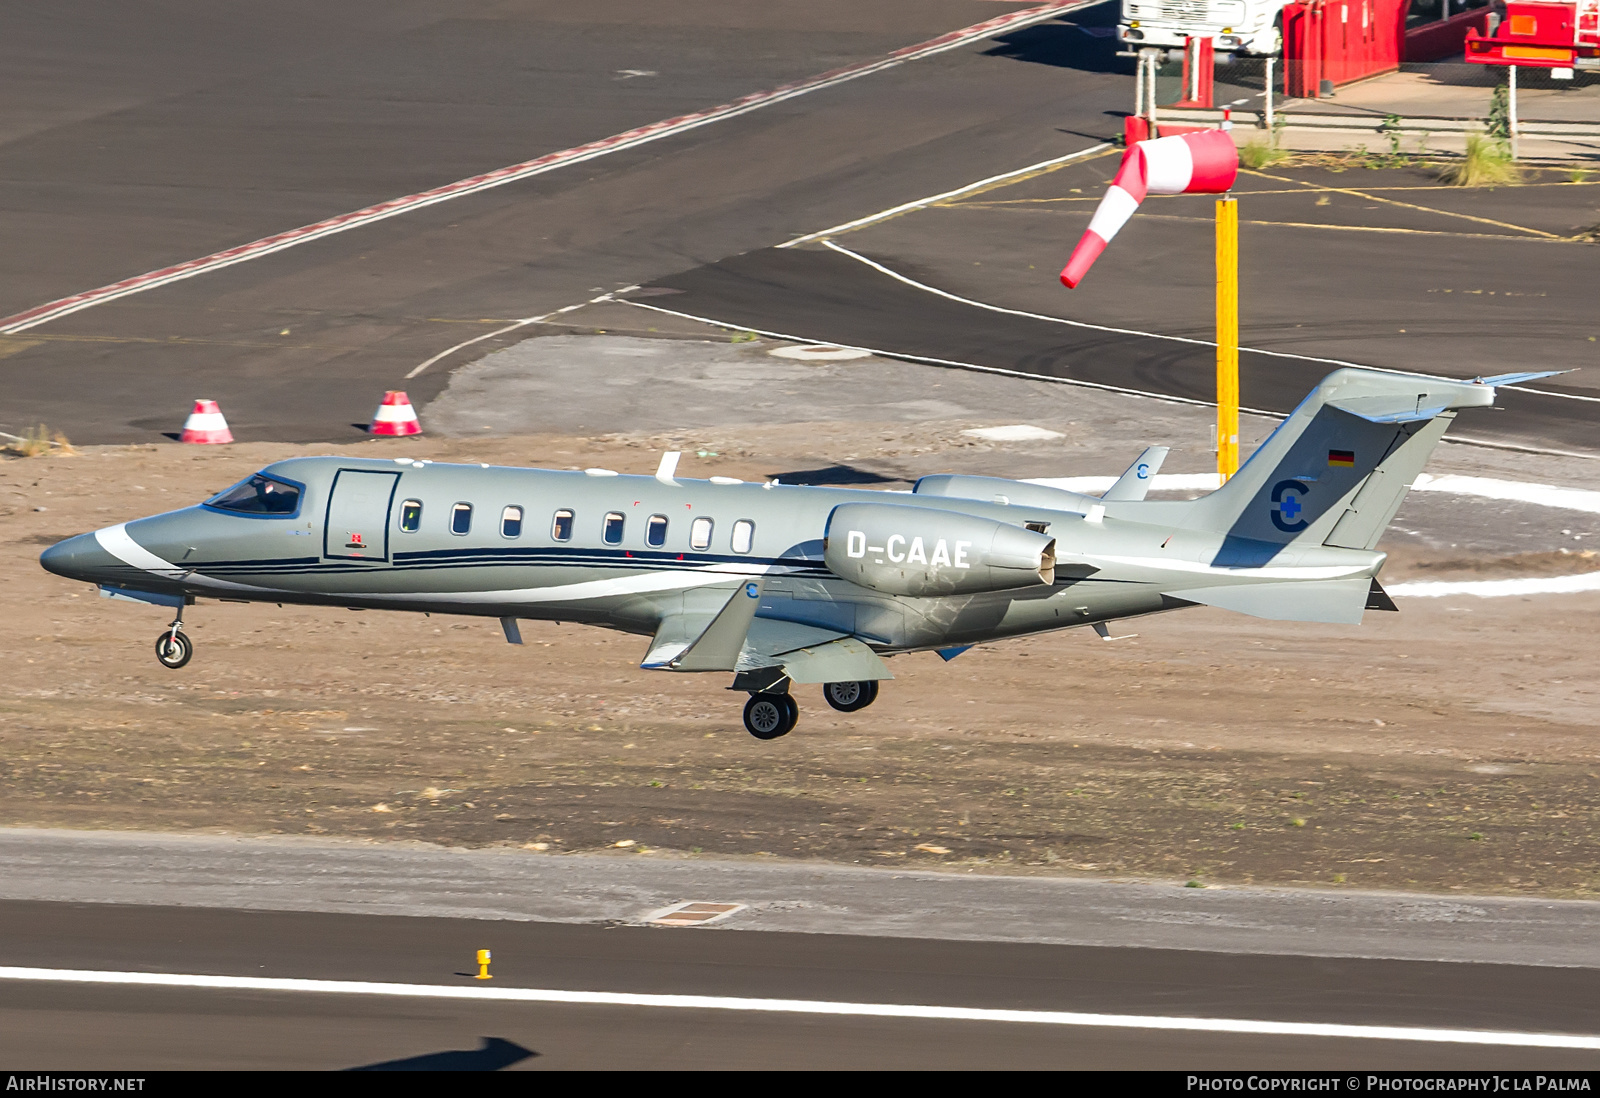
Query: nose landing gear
174	649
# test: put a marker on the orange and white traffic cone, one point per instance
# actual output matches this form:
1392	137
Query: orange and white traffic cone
205	424
395	416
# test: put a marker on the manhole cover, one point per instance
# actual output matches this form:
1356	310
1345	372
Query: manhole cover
820	353
692	913
1013	432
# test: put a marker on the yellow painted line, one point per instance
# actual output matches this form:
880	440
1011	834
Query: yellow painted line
1307	189
1406	205
169	341
10	345
1543	238
1148	216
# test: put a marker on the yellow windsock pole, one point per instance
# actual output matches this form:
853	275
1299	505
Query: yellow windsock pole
1227	337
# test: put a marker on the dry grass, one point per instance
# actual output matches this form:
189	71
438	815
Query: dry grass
37	442
1487	163
1260	153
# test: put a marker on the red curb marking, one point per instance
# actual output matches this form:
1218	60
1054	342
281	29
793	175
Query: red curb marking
549	162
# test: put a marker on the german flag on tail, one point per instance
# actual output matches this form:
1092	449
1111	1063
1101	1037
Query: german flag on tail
1341	459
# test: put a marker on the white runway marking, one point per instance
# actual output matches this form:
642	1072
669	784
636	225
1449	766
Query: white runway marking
513	326
1148	335
1545	495
504	994
549	162
1516	491
970	188
1499	589
973	366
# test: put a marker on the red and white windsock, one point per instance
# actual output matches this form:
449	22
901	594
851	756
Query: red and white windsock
205	424
1191	163
395	416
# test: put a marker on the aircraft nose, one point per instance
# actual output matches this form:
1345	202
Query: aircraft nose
79	558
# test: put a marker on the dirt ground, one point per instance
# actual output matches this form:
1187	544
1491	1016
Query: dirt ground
1451	746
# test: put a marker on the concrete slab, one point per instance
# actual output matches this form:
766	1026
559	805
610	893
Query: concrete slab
294	874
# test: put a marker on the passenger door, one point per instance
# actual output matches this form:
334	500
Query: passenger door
358	515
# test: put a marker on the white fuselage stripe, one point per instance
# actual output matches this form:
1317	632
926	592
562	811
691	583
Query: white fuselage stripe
504	994
116	541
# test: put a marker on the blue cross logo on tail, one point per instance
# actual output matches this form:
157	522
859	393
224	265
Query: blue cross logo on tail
1286	505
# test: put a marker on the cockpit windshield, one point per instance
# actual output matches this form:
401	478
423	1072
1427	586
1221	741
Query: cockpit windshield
259	495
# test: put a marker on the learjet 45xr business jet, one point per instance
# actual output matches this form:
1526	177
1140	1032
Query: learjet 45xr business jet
782	584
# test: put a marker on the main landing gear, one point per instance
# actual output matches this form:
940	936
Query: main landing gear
768	715
847	697
173	648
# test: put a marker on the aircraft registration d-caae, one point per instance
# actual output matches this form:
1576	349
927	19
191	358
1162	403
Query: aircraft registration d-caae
783	585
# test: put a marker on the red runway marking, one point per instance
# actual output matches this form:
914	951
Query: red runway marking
549	162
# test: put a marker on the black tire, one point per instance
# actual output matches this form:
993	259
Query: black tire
768	716
847	697
173	649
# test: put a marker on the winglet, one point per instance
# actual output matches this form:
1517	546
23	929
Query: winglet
1135	483
717	646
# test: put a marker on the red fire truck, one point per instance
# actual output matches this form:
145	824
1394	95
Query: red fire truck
1549	34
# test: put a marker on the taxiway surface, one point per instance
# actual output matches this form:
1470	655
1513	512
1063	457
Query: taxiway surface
298	116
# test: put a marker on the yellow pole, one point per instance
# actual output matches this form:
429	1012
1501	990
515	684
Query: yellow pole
1227	337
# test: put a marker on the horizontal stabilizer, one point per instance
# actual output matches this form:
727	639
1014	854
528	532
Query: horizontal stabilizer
1518	379
843	660
1135	483
1339	602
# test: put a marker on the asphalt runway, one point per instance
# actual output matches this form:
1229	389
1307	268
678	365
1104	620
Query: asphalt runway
823	295
223	131
45	1024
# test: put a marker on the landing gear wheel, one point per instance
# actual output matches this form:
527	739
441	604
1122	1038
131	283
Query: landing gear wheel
768	716
173	649
847	697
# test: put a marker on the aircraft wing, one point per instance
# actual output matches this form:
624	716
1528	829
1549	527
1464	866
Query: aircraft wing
734	639
842	660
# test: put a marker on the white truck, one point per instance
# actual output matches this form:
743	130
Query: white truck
1238	26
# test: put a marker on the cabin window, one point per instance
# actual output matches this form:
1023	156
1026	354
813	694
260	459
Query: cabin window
744	535
611	532
561	526
461	518
260	495
700	533
511	522
655	531
411	516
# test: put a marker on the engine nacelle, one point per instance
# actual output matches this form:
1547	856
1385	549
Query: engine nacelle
925	551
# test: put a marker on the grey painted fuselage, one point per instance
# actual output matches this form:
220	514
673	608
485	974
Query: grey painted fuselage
1291	536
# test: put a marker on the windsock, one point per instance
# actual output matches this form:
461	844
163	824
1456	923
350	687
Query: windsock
395	416
1192	163
205	424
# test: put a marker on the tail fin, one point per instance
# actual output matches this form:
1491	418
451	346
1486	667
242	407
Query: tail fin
1335	471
